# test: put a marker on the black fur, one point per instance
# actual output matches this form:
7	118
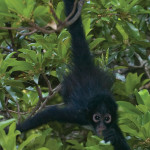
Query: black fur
85	90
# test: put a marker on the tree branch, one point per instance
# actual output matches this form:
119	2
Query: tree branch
49	97
35	28
6	49
18	109
54	14
48	84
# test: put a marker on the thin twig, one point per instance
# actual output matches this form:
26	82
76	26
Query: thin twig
41	29
147	86
60	104
54	14
38	103
17	29
48	84
12	111
77	15
141	61
39	92
147	69
8	28
28	33
6	49
72	12
6	102
144	63
35	109
18	109
67	22
11	37
57	88
49	97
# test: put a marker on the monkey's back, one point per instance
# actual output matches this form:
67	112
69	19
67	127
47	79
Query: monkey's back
80	86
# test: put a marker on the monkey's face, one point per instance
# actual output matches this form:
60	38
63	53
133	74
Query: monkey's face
102	113
101	122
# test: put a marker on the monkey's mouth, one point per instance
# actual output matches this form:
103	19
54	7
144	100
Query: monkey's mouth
99	131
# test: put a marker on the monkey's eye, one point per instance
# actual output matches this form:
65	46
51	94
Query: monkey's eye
107	118
96	117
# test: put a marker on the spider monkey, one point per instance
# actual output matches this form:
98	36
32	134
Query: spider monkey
86	93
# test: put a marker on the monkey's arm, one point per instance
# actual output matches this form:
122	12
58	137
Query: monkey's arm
114	135
80	48
53	113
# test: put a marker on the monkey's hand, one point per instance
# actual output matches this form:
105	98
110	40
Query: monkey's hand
114	135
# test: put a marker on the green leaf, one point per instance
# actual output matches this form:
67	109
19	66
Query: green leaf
10	55
127	129
8	141
138	97
3	7
43	148
54	144
87	25
76	144
145	81
2	99
8	15
119	88
15	5
53	73
142	108
132	4
21	66
40	15
96	42
1	117
5	64
145	97
119	67
122	31
137	9
5	123
14	83
146	118
107	19
11	92
36	78
29	55
128	107
60	9
92	140
28	140
27	12
30	97
95	147
132	82
133	31
63	45
145	130
116	3
47	43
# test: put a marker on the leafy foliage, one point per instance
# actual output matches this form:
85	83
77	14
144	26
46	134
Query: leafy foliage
34	58
135	120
